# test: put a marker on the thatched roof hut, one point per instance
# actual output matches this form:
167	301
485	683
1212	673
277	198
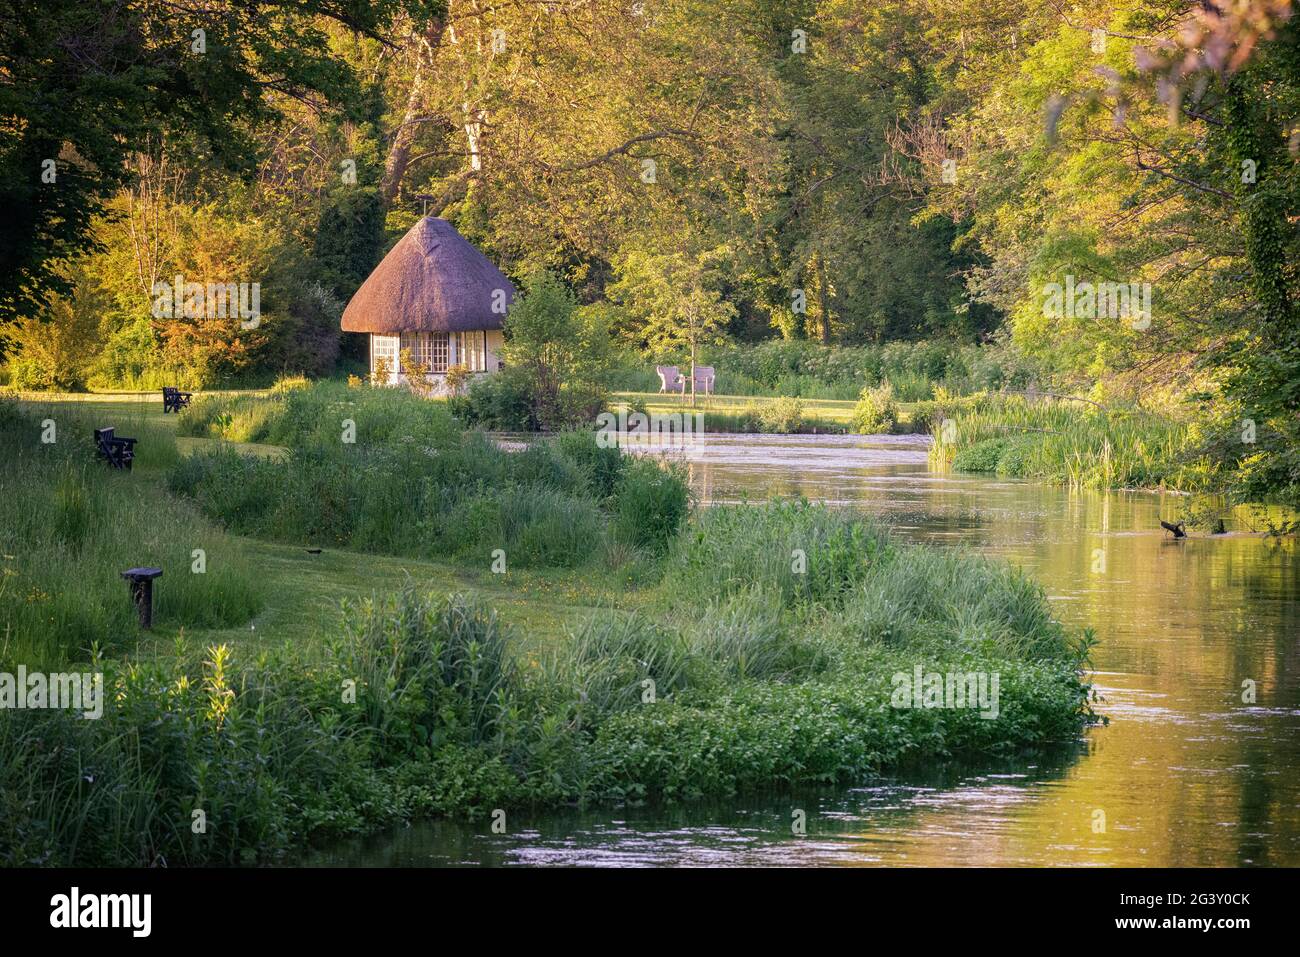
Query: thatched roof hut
435	296
433	280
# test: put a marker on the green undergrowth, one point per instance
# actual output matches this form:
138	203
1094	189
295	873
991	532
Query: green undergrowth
420	704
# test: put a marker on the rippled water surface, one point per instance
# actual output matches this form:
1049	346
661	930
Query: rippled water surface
1186	774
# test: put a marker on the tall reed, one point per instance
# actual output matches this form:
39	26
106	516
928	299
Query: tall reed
1067	442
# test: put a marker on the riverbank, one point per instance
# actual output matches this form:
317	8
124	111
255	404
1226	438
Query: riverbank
1081	444
242	416
689	681
1194	769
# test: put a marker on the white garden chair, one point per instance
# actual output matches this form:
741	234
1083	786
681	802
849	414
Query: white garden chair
704	379
670	380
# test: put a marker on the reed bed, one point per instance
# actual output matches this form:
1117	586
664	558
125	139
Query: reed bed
1070	443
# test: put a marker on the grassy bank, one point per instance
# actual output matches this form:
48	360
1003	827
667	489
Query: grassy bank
755	648
285	415
784	414
740	414
1069	443
381	471
71	525
813	371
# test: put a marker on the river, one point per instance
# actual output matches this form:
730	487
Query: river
1187	773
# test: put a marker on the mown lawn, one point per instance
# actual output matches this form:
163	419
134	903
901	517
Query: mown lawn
305	594
833	409
824	414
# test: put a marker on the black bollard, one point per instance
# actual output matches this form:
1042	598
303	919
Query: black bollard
141	582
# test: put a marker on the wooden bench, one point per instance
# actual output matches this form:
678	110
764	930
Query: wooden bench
174	399
117	450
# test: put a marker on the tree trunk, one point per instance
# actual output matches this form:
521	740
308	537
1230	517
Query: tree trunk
473	136
399	153
824	296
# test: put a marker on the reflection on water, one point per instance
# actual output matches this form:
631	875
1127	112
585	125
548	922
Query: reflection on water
1186	774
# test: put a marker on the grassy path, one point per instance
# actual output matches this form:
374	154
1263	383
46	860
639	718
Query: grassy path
305	591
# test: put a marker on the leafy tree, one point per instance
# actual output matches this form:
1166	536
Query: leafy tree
674	298
86	83
349	238
55	348
561	353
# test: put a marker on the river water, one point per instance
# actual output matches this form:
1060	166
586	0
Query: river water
1185	774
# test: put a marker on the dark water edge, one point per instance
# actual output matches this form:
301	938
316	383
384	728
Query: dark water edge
758	830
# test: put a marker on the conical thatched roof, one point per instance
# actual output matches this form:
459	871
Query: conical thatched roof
433	280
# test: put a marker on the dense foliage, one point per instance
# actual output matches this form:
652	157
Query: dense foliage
738	671
714	174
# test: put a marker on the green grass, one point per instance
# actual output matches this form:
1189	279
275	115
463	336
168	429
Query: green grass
739	413
72	525
422	704
1069	443
815	371
363	690
402	479
310	588
750	414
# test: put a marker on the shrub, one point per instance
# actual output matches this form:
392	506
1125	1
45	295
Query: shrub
876	412
1016	457
748	419
600	465
457	377
754	735
500	402
50	351
651	502
980	457
561	354
783	415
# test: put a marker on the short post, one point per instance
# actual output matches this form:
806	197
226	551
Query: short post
141	582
